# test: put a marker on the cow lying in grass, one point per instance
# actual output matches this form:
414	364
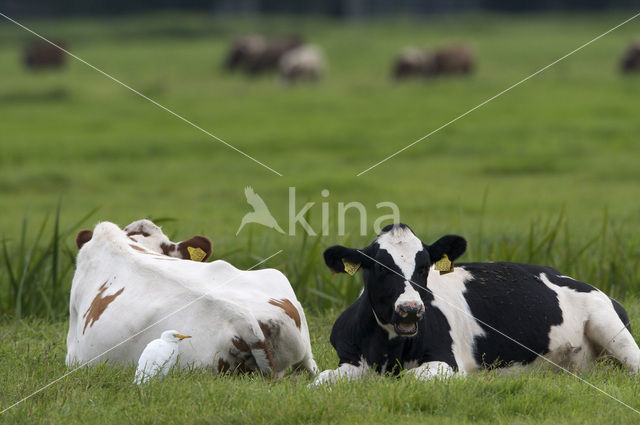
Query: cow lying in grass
137	280
468	317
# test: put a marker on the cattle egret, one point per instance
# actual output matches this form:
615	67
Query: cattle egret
159	356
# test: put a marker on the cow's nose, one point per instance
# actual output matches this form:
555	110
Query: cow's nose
411	311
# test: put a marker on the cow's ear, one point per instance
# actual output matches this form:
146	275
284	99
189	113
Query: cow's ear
83	237
341	259
198	248
452	245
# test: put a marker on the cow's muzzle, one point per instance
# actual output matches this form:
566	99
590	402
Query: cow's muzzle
407	317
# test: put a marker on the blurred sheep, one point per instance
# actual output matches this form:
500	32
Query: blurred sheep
412	62
242	49
255	53
304	63
631	59
454	60
450	60
40	54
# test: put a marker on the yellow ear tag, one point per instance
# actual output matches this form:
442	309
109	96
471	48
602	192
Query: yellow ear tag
196	254
350	267
444	265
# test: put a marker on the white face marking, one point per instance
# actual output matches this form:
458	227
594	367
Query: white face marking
403	246
409	295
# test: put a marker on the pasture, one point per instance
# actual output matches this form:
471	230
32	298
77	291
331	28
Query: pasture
547	173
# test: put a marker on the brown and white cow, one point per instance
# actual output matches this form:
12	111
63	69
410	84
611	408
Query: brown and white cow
137	281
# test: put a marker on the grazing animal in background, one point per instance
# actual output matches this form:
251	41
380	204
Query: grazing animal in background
242	49
413	62
260	214
256	54
128	280
158	357
421	313
304	63
450	60
631	59
40	54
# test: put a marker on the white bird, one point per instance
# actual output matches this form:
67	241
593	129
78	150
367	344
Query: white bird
158	356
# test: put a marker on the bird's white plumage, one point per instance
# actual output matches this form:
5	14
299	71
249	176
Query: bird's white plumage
158	357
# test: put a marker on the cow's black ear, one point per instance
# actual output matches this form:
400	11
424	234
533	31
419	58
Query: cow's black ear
452	245
341	259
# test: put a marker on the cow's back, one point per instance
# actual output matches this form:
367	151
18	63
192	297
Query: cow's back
516	311
123	296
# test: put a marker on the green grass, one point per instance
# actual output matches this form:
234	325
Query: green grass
566	137
33	352
564	144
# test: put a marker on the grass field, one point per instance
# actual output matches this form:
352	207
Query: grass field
547	173
33	352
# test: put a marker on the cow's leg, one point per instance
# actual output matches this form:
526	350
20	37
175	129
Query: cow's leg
344	371
432	370
605	329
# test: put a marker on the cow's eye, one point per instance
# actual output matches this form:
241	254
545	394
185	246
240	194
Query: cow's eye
422	270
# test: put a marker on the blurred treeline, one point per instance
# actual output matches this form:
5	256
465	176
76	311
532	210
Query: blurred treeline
336	8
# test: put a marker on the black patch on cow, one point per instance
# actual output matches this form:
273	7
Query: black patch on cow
622	314
389	227
512	299
557	278
356	335
452	245
334	256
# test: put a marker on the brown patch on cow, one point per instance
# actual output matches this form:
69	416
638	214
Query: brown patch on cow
288	308
83	237
265	329
167	249
98	306
223	366
201	242
145	234
130	238
265	345
138	248
240	344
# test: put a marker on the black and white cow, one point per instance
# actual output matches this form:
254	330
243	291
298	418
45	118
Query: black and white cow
439	323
